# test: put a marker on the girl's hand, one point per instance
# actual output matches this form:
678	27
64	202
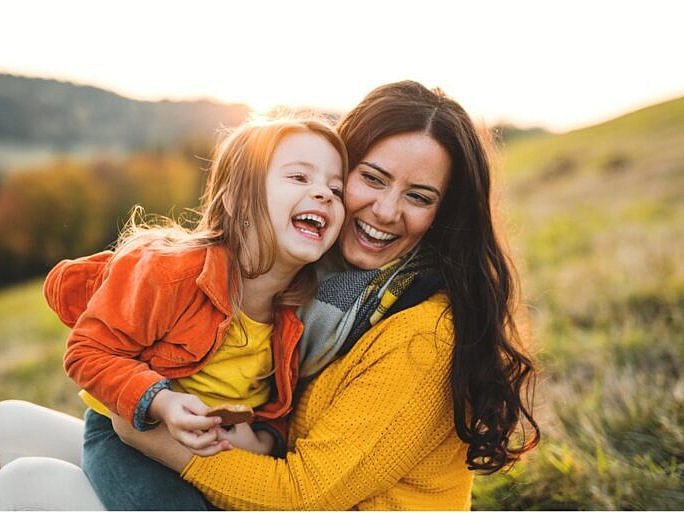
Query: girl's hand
183	415
243	437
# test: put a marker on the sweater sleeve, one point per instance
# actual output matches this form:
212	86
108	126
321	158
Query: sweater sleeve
130	310
387	414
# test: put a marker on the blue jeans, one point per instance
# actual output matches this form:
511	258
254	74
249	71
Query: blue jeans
126	479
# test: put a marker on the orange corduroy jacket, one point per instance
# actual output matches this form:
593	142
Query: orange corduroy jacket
144	316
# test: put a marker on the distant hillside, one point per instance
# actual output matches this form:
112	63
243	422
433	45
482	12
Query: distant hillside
638	156
596	215
53	116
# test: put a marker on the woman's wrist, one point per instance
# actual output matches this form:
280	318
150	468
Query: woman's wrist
278	448
266	441
157	444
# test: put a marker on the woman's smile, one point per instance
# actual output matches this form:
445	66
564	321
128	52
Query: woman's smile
373	235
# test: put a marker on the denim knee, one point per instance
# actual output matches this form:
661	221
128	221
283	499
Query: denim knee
126	479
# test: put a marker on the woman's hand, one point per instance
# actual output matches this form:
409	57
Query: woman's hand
242	436
159	445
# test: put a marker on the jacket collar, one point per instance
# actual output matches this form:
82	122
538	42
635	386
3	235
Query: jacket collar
213	279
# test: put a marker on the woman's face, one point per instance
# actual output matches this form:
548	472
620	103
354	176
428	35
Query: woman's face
392	197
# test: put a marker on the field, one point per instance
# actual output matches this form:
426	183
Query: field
595	220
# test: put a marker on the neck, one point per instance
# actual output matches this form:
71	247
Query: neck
258	293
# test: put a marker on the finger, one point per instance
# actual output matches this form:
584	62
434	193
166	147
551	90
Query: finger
199	440
195	405
214	448
198	423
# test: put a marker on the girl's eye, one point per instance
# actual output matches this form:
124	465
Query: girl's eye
337	191
299	177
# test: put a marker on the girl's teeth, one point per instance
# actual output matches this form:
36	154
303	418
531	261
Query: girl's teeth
318	220
309	232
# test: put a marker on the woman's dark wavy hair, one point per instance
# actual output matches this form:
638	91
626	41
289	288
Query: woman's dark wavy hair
492	379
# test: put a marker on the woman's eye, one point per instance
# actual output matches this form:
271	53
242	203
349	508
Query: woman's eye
371	179
420	199
337	191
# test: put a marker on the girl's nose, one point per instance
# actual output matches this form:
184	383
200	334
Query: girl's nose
321	193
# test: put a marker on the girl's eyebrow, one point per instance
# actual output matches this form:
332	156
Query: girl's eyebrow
389	176
298	163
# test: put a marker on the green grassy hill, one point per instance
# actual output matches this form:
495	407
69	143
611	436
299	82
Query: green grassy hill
596	216
595	220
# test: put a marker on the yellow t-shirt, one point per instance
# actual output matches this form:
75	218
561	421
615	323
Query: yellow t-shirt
239	372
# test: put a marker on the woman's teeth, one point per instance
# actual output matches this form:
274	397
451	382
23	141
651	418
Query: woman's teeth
373	233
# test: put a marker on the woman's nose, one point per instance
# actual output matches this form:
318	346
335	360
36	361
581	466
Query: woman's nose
386	208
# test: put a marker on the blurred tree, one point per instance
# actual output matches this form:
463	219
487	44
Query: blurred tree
50	213
69	208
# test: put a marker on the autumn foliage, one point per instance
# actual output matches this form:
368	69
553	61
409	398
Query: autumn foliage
70	207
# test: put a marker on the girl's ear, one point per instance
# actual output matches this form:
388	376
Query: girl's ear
227	202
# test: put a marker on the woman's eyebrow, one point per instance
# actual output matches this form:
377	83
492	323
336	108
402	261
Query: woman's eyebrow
376	167
389	175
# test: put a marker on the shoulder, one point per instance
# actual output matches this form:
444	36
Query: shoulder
430	316
159	265
422	334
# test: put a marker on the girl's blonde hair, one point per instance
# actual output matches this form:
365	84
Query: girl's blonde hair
234	203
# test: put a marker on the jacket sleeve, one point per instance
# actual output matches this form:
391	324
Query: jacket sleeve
131	309
70	284
388	414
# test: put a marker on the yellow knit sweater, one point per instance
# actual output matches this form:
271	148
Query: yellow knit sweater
374	431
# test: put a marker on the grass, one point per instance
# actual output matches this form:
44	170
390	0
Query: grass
596	222
32	344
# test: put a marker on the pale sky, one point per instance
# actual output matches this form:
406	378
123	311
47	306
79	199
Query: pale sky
561	64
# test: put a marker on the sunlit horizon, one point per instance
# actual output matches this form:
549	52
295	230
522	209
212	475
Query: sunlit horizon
556	65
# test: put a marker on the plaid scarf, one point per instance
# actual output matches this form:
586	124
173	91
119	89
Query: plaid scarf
348	303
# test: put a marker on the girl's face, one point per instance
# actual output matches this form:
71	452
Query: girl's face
304	189
392	198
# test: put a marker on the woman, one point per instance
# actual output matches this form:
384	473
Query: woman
431	388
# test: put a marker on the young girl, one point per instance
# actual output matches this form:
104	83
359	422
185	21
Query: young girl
182	320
